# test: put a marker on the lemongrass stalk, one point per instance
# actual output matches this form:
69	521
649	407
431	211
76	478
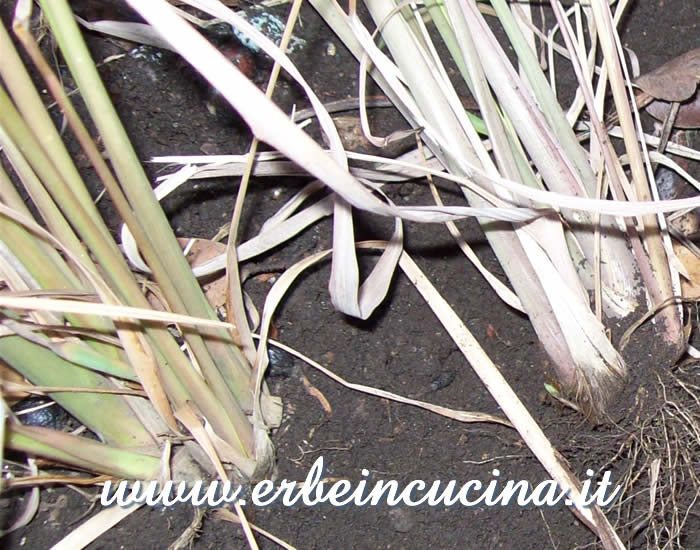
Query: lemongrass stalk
436	9
42	262
29	103
546	99
563	170
619	272
94	233
50	271
105	414
182	289
618	184
502	239
121	203
48	210
560	315
509	154
84	356
73	350
587	374
228	418
81	452
59	274
652	232
11	197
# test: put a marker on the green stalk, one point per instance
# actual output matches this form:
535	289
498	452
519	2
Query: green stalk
50	214
545	96
81	452
107	253
437	12
618	269
126	213
182	292
36	254
105	414
50	271
29	103
43	263
228	417
541	138
501	236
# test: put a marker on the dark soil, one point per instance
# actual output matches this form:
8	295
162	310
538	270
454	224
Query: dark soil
402	348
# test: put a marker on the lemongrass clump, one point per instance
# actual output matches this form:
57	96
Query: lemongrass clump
75	320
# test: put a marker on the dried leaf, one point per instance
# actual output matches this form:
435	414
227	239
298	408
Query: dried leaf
675	80
690	287
688	114
200	251
8	374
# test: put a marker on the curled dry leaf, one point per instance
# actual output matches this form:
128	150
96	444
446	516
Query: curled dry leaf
10	375
690	287
199	252
688	115
675	81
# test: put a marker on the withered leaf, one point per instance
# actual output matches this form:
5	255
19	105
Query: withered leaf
675	80
688	115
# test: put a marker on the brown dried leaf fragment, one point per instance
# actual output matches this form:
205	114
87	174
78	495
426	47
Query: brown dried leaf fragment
675	81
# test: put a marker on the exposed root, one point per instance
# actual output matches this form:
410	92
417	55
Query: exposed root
661	461
595	390
186	539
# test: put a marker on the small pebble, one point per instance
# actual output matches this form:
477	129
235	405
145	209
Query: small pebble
51	416
443	380
402	520
406	190
281	363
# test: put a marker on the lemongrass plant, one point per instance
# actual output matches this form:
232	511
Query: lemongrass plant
555	261
74	318
554	257
577	262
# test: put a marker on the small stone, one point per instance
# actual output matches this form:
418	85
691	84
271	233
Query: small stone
402	520
47	414
443	380
281	362
406	190
208	148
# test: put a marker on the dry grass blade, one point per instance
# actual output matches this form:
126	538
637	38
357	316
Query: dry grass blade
227	515
186	539
272	301
453	414
31	506
91	529
511	405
